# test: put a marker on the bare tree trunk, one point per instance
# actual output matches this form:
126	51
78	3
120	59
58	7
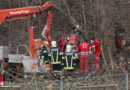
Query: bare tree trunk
103	26
103	19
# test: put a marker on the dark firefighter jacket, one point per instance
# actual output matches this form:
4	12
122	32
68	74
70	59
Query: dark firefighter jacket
68	61
44	55
55	55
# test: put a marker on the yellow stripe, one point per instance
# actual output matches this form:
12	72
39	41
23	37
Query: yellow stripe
66	61
52	57
71	60
57	57
44	51
49	54
68	67
63	57
53	62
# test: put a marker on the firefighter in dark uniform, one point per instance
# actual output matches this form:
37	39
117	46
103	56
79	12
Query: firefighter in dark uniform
55	57
44	53
68	61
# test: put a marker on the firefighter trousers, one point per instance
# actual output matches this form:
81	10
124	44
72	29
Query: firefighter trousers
56	67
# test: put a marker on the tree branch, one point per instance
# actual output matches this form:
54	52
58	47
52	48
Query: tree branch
73	21
84	18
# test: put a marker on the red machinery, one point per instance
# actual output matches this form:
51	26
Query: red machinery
30	12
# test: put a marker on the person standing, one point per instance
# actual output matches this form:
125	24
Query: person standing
54	55
68	61
44	53
97	53
118	38
62	43
78	31
83	50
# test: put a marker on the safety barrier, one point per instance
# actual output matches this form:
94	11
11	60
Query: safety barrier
105	82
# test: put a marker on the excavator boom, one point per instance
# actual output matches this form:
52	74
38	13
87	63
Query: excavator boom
30	12
23	13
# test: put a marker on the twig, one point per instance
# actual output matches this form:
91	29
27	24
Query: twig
61	11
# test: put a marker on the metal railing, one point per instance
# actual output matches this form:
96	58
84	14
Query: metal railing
105	82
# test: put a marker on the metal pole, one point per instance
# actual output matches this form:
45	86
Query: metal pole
127	80
35	81
61	82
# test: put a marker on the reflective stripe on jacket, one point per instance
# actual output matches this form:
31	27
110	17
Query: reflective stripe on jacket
44	55
68	61
55	56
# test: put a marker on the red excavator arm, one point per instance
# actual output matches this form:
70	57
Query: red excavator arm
29	12
46	30
22	13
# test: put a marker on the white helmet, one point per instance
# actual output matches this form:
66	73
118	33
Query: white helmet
68	38
68	48
1	83
77	26
53	43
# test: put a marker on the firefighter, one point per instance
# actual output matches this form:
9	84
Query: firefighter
118	38
68	61
83	50
97	52
44	53
54	55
